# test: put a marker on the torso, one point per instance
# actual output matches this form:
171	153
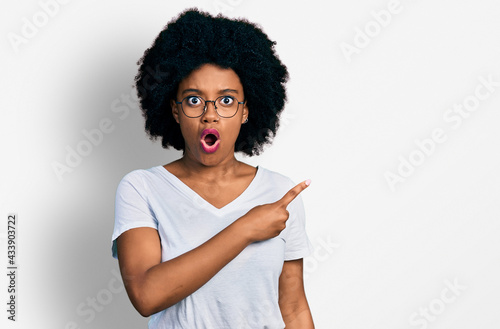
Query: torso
218	192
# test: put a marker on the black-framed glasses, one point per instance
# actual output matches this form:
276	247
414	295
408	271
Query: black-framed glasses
195	106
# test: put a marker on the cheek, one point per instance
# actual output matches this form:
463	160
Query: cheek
233	132
188	131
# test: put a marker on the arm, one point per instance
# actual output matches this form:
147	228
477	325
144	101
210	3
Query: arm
292	298
153	285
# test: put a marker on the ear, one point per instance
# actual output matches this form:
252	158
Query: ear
175	110
245	113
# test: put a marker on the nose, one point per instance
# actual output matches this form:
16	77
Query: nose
210	114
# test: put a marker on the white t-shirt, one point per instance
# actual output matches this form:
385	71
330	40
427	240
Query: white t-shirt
244	293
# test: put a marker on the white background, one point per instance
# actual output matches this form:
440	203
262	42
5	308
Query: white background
386	255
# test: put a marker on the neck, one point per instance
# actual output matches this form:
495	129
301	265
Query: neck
228	167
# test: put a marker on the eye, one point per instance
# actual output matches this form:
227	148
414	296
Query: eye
226	101
193	101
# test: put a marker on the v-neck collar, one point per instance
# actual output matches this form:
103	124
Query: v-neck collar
191	193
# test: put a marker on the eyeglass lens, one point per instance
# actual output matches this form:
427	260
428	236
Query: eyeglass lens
194	106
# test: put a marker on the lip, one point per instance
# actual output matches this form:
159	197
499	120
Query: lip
209	148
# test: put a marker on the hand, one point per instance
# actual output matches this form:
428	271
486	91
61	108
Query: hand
267	221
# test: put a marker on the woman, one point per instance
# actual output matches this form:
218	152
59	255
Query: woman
208	241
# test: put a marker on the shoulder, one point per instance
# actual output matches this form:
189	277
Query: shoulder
276	178
139	177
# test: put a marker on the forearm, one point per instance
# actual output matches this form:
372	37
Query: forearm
167	283
153	285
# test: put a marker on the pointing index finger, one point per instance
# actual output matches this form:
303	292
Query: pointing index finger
293	192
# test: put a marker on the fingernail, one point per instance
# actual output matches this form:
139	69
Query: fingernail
308	182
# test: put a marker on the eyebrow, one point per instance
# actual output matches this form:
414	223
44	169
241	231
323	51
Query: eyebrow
185	91
229	91
223	91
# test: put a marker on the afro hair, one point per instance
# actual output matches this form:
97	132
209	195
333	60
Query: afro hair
195	38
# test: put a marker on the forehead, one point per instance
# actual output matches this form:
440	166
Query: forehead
210	78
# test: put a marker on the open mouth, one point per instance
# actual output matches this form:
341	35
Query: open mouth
210	140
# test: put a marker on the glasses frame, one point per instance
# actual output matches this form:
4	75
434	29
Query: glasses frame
215	106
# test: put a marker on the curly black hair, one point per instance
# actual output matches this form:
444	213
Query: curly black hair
195	38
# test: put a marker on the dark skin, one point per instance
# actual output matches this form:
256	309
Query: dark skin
219	178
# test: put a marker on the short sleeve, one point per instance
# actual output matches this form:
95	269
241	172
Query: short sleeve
298	244
132	209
